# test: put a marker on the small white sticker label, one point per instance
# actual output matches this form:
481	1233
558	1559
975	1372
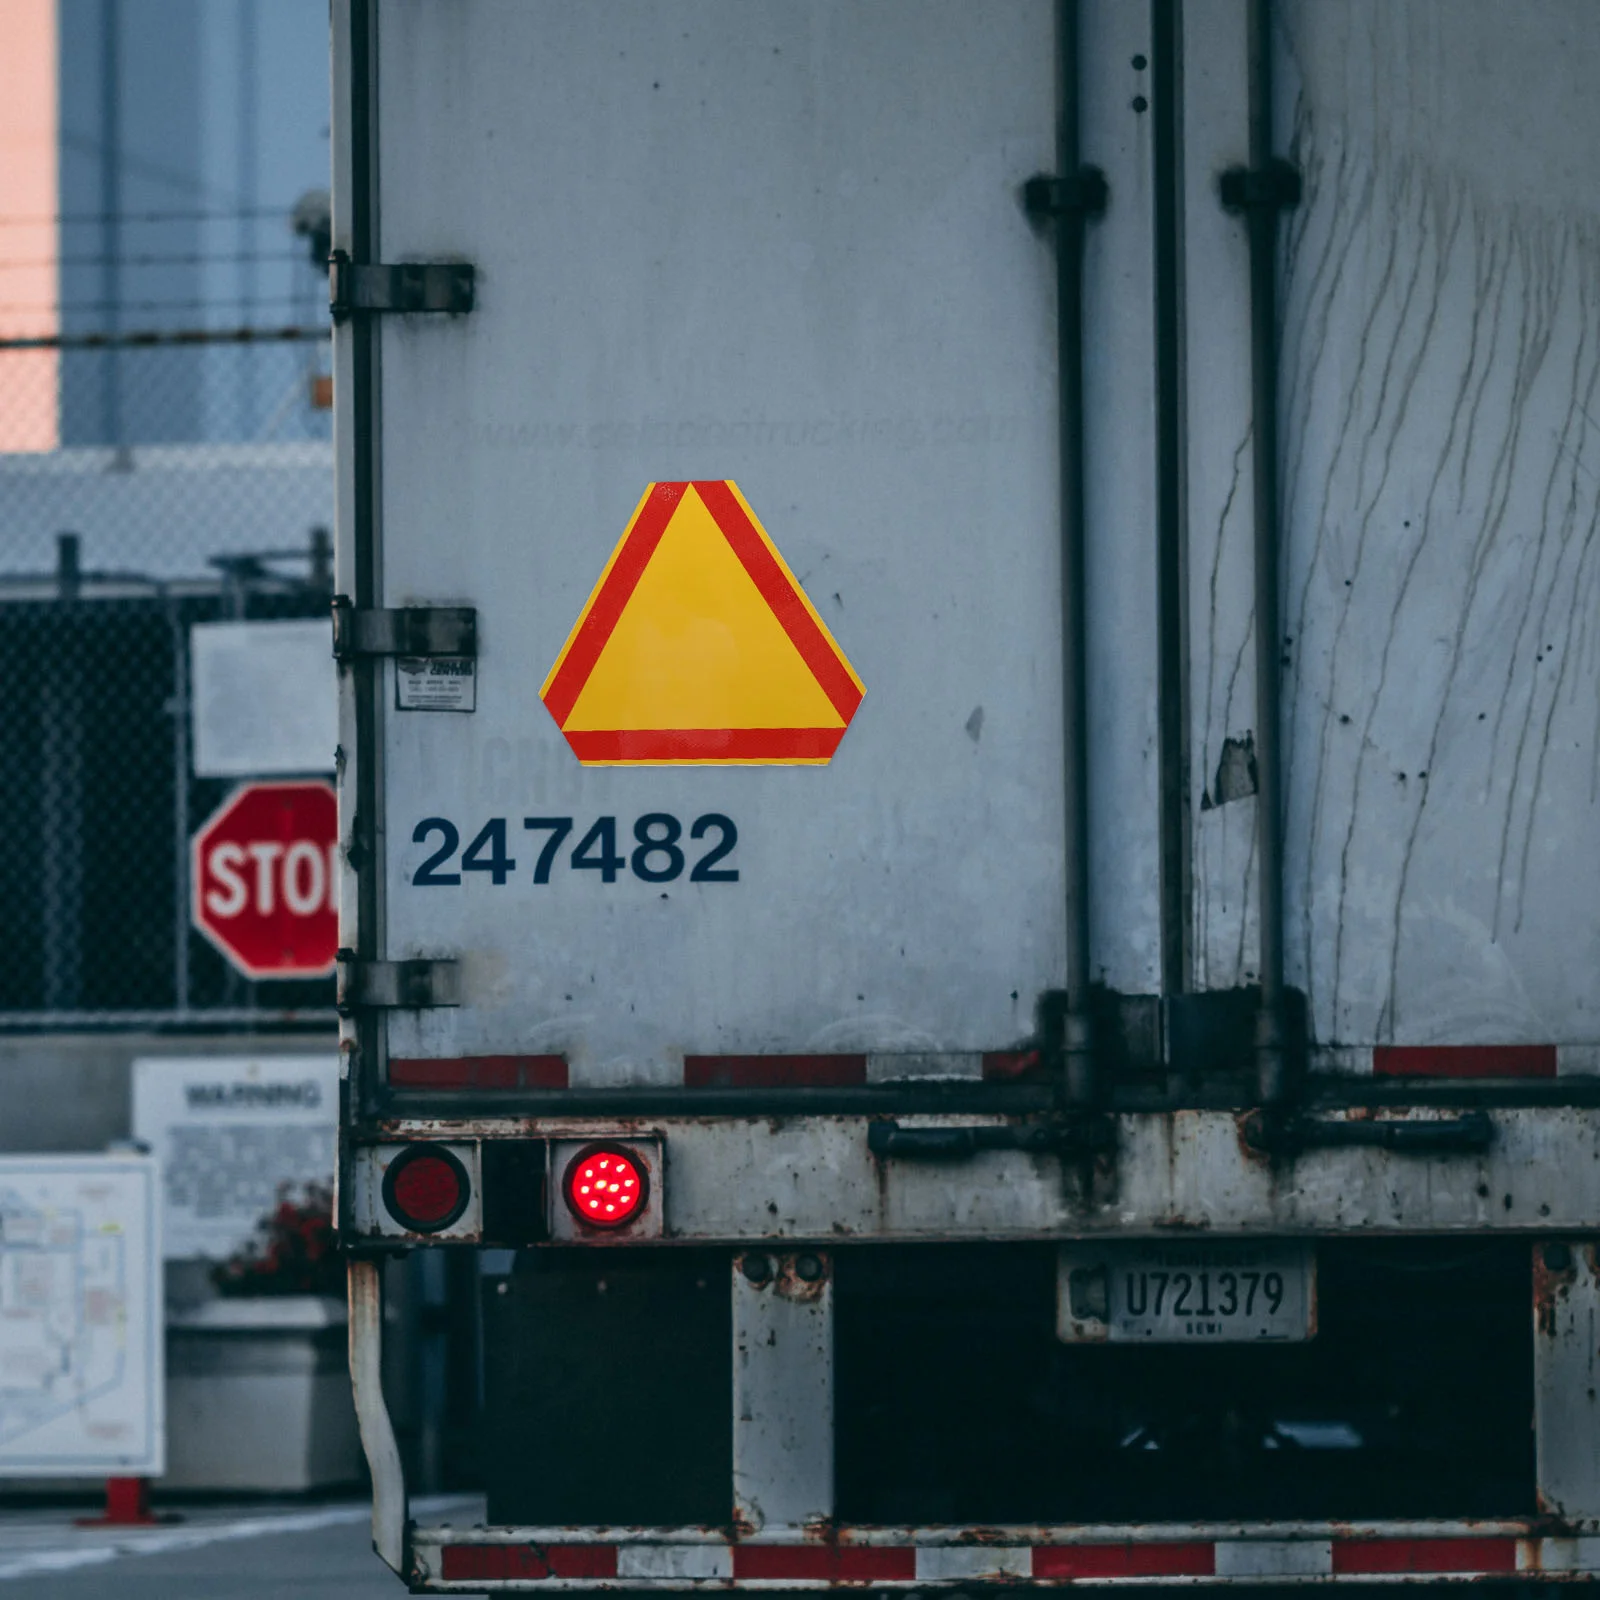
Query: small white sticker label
436	683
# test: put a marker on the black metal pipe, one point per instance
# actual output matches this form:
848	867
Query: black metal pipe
1079	1075
365	840
1172	644
1274	1060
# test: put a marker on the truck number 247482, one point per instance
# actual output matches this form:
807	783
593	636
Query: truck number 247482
657	857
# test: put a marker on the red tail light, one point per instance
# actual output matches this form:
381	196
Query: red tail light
606	1186
426	1188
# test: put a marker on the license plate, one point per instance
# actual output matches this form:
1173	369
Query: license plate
1158	1293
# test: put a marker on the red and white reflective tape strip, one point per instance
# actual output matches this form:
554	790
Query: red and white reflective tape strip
1461	1060
850	1070
480	1072
821	1071
834	1562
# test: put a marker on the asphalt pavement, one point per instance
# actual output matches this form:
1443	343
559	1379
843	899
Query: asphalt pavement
253	1552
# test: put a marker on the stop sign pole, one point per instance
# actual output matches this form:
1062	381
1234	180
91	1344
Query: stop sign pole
264	871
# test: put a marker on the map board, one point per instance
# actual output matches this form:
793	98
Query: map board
228	1131
81	1348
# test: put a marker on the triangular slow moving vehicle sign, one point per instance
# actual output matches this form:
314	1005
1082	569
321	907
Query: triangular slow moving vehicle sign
699	647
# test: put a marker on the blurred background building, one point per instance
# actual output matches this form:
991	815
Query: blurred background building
165	459
165	462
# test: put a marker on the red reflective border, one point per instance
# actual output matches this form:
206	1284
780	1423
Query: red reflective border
782	596
1196	1559
480	1072
774	1072
472	1561
1464	1060
830	1563
616	590
1004	1065
705	744
1424	1555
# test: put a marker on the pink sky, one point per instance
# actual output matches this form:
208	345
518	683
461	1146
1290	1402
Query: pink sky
28	235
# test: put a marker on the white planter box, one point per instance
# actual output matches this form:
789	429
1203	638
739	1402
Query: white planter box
258	1396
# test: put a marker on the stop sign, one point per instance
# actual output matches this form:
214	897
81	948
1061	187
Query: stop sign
265	879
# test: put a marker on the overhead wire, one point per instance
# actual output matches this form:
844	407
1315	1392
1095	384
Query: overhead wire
86	219
77	307
175	259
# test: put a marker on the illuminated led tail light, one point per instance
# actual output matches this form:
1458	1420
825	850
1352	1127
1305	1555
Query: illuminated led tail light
426	1188
606	1186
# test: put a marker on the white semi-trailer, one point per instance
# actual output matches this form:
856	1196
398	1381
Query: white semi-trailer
969	781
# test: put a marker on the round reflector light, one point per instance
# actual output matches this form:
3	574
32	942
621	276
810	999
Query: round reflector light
426	1188
606	1187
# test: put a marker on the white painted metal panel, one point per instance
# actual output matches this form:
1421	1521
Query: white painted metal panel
1441	485
1440	359
1119	372
1566	1378
1218	462
782	1389
1119	503
781	245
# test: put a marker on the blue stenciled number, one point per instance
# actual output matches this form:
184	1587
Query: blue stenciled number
499	864
425	874
657	858
730	837
645	830
559	828
608	863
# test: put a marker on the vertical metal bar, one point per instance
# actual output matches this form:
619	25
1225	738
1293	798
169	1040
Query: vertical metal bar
354	118
1273	1061
1566	1379
372	1415
61	804
782	1389
248	140
180	802
433	1373
1171	553
367	834
1076	1042
111	218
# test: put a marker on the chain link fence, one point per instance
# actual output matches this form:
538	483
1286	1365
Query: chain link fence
146	485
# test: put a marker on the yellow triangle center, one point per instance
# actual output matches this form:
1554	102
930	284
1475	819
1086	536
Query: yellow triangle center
697	646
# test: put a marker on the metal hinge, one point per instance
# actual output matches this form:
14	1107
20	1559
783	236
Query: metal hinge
391	985
1084	194
1274	187
399	286
404	631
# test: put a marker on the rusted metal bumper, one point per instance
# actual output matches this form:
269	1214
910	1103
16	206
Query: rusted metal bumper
443	1560
1530	1169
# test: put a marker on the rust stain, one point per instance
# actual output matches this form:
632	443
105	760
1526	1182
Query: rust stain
1550	1289
791	1286
987	1536
1251	1138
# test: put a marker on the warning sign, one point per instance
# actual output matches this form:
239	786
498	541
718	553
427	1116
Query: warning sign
699	647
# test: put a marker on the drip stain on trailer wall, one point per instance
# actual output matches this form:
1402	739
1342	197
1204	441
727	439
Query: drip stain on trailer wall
1441	482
